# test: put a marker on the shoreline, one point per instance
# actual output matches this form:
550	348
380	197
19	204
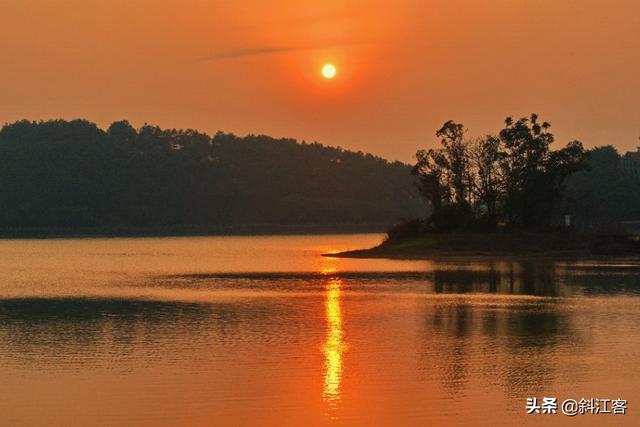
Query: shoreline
569	246
472	258
232	230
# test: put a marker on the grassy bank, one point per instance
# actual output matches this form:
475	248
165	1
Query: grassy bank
565	244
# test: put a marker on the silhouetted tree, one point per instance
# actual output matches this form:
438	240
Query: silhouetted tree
512	178
533	175
486	155
445	177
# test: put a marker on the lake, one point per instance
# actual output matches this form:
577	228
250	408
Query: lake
198	331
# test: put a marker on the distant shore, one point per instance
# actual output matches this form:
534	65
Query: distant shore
187	231
504	244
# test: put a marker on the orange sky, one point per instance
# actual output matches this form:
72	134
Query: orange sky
253	66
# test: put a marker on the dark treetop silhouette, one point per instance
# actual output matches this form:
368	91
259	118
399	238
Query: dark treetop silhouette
515	180
512	178
71	175
542	202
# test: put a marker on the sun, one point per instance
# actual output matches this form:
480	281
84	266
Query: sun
329	71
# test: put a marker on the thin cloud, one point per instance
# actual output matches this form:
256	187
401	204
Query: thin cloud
241	53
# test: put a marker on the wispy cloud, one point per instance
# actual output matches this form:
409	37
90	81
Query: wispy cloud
254	51
239	53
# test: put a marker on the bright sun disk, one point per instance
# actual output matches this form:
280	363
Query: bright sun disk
329	71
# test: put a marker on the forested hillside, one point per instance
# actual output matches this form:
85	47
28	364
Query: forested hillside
73	175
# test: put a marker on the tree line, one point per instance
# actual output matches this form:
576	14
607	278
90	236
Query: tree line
514	179
604	194
72	174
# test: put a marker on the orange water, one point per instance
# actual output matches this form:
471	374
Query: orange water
265	331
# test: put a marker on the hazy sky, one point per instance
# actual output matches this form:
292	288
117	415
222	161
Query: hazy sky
253	66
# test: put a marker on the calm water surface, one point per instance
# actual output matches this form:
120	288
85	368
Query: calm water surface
265	331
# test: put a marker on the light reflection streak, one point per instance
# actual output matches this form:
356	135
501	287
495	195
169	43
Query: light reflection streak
334	345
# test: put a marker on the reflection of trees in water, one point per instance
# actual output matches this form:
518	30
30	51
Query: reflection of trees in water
457	321
508	342
509	345
603	279
88	329
537	277
521	277
532	334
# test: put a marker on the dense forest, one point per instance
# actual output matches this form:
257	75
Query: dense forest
604	194
73	175
513	179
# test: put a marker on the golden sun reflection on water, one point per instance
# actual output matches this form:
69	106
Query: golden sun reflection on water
328	270
334	345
